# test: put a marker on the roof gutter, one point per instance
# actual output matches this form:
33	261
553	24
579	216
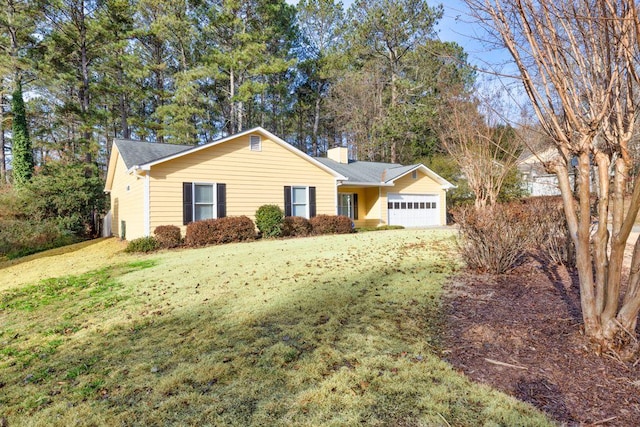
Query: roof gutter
366	184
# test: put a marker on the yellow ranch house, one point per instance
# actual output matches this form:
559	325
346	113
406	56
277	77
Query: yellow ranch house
152	184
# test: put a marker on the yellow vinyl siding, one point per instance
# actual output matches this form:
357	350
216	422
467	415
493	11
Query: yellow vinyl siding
422	185
252	178
126	205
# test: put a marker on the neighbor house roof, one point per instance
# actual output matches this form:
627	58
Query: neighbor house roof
377	173
140	152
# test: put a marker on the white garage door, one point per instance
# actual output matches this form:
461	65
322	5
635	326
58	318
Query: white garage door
413	210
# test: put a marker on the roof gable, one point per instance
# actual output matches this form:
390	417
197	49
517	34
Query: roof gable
379	173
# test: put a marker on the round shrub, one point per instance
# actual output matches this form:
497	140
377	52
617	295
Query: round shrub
269	220
221	230
168	236
331	224
296	226
143	244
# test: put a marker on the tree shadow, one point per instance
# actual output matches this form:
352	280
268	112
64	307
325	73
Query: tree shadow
569	292
545	396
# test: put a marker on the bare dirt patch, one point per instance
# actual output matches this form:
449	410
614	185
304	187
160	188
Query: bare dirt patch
521	333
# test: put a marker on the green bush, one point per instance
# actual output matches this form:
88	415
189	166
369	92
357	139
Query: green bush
20	238
168	236
296	226
331	224
269	220
221	230
143	244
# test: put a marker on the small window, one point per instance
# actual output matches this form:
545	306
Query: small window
421	205
409	205
203	201
414	174
433	205
396	205
128	188
390	205
255	143
403	205
299	201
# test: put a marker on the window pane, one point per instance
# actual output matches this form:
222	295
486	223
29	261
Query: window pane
203	212
299	210
299	195
421	205
204	193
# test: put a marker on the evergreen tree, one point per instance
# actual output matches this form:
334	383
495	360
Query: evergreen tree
22	151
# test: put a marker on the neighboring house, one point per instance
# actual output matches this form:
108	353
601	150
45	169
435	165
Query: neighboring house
153	184
537	181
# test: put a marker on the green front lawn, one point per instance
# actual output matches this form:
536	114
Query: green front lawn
333	330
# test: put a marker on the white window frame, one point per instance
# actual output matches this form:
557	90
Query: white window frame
255	147
306	204
214	205
350	207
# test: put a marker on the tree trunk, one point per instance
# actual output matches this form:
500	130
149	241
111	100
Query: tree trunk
316	125
4	179
124	116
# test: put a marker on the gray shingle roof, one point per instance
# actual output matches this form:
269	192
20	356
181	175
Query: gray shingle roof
141	152
367	172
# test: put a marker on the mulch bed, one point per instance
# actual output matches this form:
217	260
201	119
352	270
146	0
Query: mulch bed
521	333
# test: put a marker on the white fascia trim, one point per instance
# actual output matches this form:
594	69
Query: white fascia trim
446	185
146	207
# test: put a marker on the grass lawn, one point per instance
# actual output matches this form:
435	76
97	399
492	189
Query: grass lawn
335	330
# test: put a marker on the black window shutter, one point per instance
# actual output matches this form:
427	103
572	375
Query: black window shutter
221	199
187	202
287	200
355	206
312	202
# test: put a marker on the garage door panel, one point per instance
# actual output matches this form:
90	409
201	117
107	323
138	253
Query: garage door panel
413	210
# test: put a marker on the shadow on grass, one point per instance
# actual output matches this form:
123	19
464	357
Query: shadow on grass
342	350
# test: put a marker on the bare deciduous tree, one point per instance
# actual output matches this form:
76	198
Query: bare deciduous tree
577	60
484	149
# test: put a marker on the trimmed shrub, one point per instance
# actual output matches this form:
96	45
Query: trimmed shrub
296	226
331	224
269	220
550	226
168	236
143	244
496	239
219	231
